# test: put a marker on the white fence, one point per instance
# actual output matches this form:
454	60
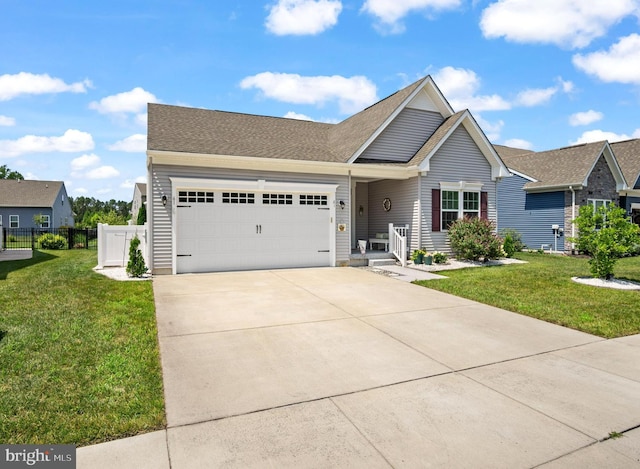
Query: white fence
114	241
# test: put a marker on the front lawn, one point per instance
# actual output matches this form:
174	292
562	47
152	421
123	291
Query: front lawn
79	359
543	289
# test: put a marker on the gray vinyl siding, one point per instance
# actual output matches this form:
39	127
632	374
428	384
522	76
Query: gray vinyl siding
362	221
59	215
530	214
404	202
62	214
458	159
404	136
162	218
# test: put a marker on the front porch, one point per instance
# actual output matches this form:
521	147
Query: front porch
357	259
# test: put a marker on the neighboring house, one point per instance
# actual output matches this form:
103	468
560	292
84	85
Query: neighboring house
22	200
236	191
628	156
139	200
549	187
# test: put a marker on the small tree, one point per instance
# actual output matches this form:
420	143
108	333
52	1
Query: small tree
135	266
142	215
475	238
605	234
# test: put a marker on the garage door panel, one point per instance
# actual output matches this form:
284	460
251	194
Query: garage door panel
275	231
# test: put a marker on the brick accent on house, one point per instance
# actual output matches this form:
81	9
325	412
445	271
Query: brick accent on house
600	185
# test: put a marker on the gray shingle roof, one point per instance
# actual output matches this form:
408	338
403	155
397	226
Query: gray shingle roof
189	130
503	150
561	167
16	193
628	156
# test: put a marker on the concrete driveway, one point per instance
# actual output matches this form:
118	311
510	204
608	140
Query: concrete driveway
341	367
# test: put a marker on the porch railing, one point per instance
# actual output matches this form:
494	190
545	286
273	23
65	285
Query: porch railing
398	242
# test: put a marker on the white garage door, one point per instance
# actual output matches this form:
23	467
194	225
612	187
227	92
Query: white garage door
221	230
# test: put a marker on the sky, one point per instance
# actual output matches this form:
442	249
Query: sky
76	76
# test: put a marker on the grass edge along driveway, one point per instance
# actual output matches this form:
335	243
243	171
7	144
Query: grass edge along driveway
543	289
79	358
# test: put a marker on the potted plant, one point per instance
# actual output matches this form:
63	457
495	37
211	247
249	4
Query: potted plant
439	257
428	258
418	256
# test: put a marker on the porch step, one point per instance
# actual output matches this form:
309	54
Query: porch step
376	262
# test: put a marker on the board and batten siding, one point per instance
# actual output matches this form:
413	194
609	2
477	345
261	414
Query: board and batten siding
404	136
162	216
404	202
532	215
458	159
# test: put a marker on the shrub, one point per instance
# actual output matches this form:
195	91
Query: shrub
135	266
439	257
605	234
516	237
142	215
509	246
52	241
474	238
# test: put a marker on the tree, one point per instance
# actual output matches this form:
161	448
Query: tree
142	215
6	173
89	211
605	234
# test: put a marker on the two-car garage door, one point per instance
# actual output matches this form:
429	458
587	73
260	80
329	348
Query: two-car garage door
245	228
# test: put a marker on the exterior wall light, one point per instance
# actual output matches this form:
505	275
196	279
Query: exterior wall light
342	204
164	200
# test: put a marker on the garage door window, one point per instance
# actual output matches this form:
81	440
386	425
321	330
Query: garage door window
238	198
195	197
312	199
277	199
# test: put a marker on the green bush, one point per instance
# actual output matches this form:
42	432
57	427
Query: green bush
135	266
509	246
516	237
439	257
52	241
605	234
474	238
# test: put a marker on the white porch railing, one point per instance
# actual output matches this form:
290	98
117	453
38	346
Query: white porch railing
398	242
113	244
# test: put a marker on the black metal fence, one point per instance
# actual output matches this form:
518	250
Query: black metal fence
61	238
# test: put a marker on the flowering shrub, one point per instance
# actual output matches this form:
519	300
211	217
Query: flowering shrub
475	238
52	241
439	257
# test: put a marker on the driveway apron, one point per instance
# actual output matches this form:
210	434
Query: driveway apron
342	367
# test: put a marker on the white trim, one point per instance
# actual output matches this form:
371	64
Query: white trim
634	206
461	186
522	175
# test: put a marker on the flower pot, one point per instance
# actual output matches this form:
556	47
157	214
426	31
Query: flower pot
418	259
428	260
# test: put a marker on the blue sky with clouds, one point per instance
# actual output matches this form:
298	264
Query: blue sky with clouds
75	76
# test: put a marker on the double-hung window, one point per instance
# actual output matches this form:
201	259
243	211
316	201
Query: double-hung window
457	200
45	221
14	221
597	203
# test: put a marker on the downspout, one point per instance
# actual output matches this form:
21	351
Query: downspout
573	217
351	217
419	211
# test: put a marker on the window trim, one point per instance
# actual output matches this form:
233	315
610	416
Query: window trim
17	221
593	202
461	211
48	223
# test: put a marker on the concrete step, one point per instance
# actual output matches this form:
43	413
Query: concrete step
377	262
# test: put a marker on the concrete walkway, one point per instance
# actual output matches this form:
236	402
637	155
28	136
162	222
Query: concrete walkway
341	367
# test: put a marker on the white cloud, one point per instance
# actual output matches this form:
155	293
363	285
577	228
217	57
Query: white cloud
102	172
390	12
130	183
132	144
566	23
23	83
71	141
491	129
460	87
80	190
621	63
134	101
85	161
598	135
519	143
534	97
6	121
104	190
141	119
585	118
295	115
300	17
353	94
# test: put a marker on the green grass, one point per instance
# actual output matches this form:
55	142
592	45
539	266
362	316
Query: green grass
79	359
543	289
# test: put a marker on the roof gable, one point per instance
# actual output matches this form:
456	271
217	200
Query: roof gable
563	167
628	157
29	193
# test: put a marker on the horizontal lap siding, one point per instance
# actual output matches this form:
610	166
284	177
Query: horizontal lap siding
403	196
530	214
458	159
162	218
404	136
